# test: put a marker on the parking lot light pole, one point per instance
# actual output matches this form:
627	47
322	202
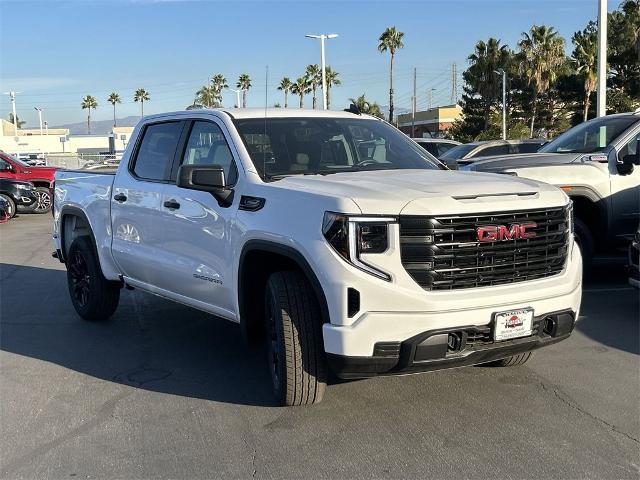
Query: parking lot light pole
12	96
237	92
601	101
322	38
504	101
39	109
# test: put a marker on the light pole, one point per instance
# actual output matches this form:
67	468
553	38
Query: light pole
504	101
322	38
12	95
237	92
46	127
39	109
430	92
601	105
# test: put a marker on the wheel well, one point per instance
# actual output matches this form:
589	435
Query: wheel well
256	264
590	213
73	226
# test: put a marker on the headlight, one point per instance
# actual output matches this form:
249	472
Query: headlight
352	237
24	186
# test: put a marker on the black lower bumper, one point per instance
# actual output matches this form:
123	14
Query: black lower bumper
449	348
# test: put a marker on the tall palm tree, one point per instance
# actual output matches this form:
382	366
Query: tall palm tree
114	98
244	84
19	123
367	107
285	86
141	96
391	41
488	58
206	96
300	87
89	102
314	78
219	83
331	77
542	49
585	59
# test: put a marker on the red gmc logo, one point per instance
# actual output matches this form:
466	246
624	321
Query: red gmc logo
497	233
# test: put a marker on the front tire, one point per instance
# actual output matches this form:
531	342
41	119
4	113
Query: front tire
11	205
294	340
94	297
43	202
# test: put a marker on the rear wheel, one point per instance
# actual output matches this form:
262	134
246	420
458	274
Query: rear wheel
43	201
93	296
11	205
294	340
513	361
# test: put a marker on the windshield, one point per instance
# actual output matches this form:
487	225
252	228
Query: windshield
14	159
458	152
308	146
590	137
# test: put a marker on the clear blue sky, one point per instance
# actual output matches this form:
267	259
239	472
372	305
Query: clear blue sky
55	52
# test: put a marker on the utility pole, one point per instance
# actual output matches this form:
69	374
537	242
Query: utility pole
602	59
39	109
12	96
454	84
237	92
322	38
504	101
413	105
430	94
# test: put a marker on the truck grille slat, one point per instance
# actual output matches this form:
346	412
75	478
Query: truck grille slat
443	253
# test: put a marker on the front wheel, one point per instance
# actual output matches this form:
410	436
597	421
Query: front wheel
294	340
11	205
43	201
93	296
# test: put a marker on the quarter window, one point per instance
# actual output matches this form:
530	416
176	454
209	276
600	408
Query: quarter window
207	146
157	148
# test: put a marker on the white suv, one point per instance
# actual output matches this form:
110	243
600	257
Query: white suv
331	237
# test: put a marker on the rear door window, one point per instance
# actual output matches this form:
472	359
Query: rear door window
154	157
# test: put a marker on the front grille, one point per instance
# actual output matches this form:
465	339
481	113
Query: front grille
443	253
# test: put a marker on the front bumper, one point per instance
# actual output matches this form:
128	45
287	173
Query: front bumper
434	350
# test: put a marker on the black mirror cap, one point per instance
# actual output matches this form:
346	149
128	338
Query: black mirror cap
626	166
208	178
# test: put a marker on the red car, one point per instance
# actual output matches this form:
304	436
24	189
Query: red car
41	177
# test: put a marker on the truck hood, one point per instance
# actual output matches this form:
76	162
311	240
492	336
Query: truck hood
500	163
431	191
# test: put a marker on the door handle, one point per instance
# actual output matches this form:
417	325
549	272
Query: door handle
120	197
172	204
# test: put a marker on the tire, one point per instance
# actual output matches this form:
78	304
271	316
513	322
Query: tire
295	348
513	361
94	297
43	204
11	204
585	241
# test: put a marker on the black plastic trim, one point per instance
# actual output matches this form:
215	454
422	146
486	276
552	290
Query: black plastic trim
75	211
244	203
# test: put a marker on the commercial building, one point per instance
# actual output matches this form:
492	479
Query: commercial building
429	123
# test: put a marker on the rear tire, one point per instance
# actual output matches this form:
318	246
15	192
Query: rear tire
43	203
11	205
294	340
513	361
94	297
584	239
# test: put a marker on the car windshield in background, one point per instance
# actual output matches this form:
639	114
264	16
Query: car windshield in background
590	137
458	152
307	146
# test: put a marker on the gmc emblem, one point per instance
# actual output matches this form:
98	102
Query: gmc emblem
497	233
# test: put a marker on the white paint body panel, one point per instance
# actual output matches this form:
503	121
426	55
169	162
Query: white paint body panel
203	237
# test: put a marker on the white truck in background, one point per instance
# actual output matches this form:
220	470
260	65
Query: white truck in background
329	236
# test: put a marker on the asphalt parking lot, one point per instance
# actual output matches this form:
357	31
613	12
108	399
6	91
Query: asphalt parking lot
164	391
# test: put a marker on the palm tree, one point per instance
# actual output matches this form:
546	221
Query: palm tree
366	107
218	83
314	77
585	59
285	85
542	49
331	77
89	102
206	96
244	84
141	96
114	98
300	87
391	41
19	123
484	62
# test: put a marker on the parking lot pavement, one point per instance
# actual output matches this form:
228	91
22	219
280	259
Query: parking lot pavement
164	391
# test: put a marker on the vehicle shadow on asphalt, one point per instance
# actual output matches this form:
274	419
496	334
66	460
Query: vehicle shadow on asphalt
149	343
610	311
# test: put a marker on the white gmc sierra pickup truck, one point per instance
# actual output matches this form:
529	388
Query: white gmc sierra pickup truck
329	236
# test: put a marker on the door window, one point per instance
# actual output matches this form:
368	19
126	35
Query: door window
629	148
497	150
157	148
207	146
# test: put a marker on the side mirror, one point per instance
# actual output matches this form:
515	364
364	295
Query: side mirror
206	178
626	166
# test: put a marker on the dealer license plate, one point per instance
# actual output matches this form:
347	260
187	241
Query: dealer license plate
513	324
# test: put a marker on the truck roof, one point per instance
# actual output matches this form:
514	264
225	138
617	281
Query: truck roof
271	113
